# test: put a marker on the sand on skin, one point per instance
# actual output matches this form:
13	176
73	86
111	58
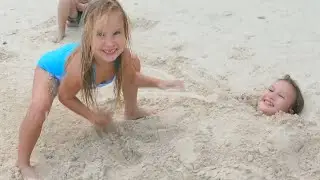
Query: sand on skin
226	52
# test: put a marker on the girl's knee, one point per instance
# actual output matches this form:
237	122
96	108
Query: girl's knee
38	112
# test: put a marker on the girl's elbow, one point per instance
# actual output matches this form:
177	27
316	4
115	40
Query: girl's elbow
136	78
63	98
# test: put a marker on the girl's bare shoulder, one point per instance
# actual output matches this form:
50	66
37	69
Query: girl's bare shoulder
71	82
130	58
73	67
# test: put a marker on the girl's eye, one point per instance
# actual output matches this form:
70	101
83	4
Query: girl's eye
116	33
100	34
271	90
281	96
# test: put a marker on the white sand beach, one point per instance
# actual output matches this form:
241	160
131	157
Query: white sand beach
222	50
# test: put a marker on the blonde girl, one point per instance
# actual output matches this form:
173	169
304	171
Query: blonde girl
100	58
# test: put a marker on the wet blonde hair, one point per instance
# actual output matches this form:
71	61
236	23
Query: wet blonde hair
298	104
95	10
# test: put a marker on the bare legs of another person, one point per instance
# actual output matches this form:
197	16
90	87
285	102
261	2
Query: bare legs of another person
66	9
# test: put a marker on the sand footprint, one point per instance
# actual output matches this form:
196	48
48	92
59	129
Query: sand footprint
176	95
144	24
181	68
177	48
310	154
241	53
45	24
157	73
184	147
5	55
122	147
239	172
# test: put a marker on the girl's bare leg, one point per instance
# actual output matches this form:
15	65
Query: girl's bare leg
130	93
43	93
66	8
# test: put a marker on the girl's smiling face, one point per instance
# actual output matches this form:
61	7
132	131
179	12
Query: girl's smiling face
109	38
280	96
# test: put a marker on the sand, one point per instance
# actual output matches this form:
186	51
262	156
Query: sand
225	51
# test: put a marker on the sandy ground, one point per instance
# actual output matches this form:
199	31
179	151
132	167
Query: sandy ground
224	50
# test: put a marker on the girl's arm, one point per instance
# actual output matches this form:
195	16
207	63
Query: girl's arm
68	89
132	67
67	96
142	80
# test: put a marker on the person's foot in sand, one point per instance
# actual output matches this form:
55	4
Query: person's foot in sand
137	114
58	38
28	172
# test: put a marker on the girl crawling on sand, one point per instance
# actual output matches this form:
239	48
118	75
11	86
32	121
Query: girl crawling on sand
70	13
283	95
100	58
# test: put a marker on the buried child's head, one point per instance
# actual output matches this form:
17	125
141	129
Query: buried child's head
283	95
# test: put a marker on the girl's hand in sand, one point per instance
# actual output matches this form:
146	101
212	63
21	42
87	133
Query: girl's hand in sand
171	84
102	119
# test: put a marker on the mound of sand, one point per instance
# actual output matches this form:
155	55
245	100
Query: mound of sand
209	131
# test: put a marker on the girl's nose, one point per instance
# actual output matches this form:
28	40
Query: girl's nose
109	42
272	95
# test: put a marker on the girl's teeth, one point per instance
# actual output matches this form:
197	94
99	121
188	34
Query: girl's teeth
268	103
110	51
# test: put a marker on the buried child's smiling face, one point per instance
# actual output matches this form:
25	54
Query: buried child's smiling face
280	96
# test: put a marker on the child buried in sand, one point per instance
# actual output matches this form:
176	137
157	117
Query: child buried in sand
283	95
101	57
70	13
